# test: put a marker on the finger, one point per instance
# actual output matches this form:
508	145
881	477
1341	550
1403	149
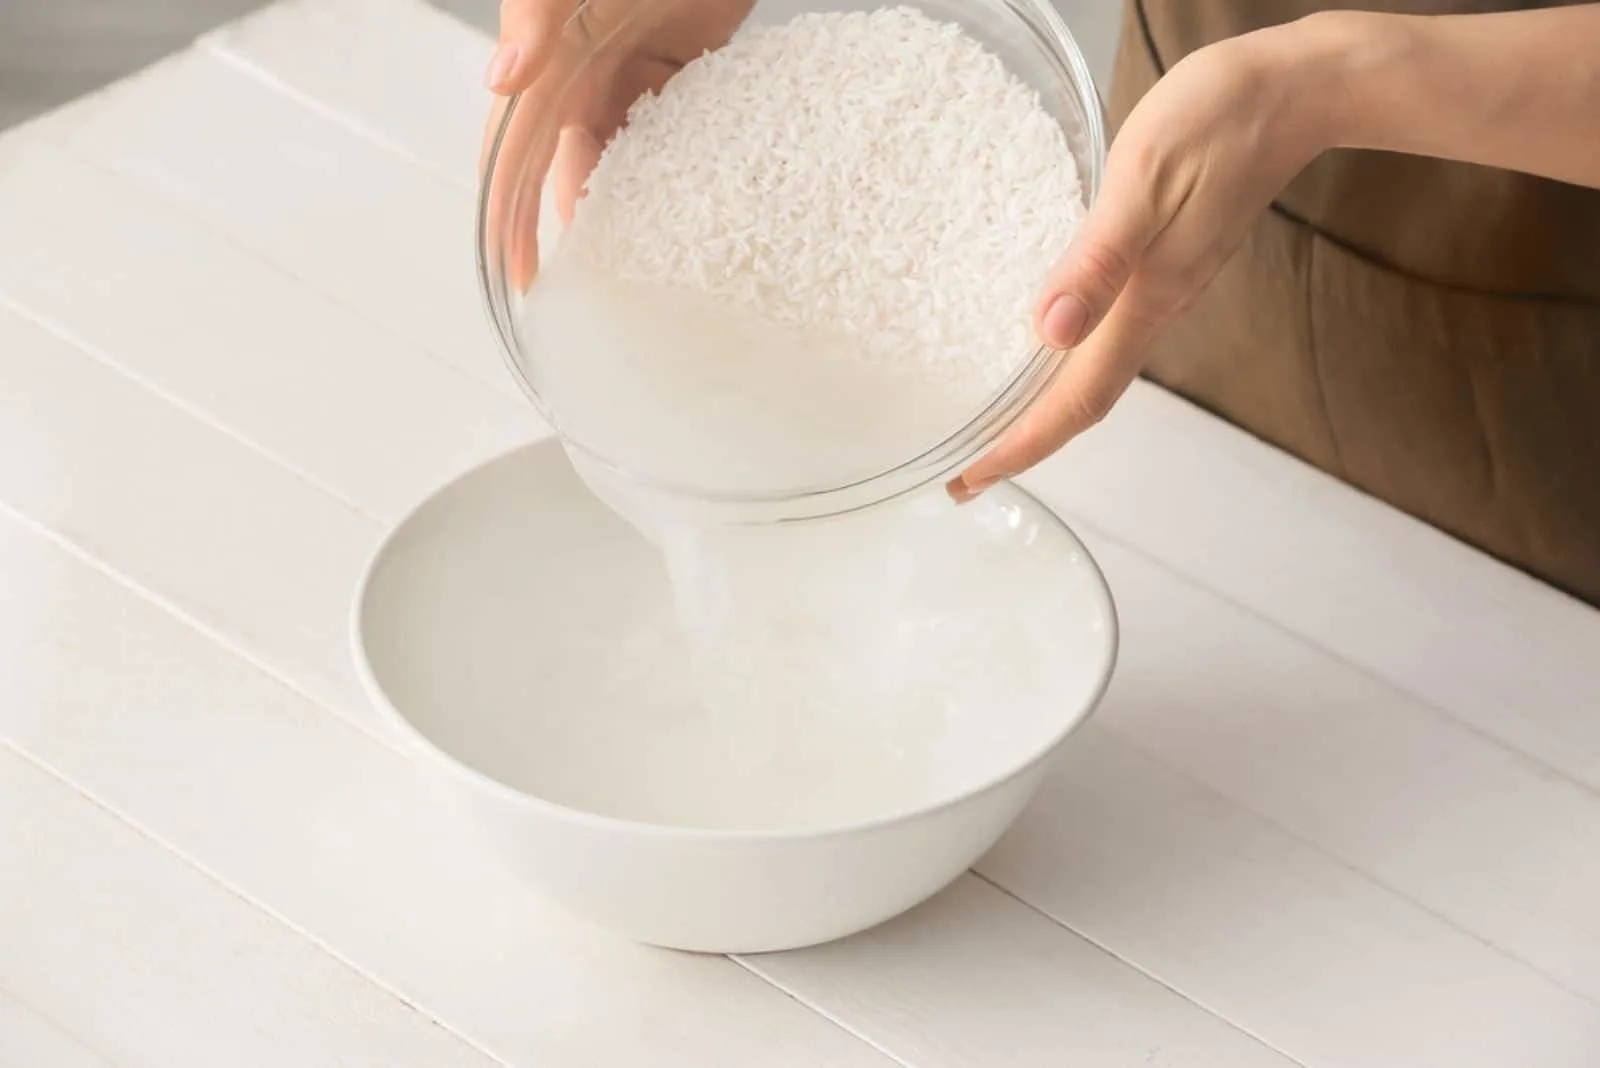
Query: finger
522	263
604	93
576	155
514	172
1081	289
576	85
517	168
529	33
1085	306
1094	377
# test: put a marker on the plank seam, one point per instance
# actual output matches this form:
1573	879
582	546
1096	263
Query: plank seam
750	967
1202	1006
55	1026
188	619
1533	763
201	416
1326	852
190	862
501	386
208	45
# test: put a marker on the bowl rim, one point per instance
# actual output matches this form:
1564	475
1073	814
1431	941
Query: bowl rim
980	428
418	742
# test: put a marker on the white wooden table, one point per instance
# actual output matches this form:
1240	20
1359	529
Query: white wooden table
1340	809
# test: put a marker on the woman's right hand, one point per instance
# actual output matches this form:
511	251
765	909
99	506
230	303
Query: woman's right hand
597	57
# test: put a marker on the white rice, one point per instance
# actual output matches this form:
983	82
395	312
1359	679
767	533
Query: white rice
880	177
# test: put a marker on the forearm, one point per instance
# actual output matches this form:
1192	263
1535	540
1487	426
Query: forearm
1519	90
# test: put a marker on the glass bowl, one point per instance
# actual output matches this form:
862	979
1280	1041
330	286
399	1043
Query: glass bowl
518	229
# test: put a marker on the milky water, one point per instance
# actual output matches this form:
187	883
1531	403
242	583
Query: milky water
878	663
802	673
736	312
691	392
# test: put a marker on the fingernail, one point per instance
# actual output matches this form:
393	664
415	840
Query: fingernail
501	64
961	491
1065	321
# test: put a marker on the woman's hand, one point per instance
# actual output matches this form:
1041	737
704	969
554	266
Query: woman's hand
597	57
1196	162
665	35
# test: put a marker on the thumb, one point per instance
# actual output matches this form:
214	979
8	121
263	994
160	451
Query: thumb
1093	378
529	31
1080	290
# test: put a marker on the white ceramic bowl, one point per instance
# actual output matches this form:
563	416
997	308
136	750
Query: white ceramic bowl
466	629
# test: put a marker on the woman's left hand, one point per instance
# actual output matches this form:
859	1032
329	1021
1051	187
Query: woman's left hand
1196	162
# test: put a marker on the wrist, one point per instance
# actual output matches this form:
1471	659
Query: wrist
1335	66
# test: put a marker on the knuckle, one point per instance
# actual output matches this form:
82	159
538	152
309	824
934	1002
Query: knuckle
1090	408
1155	165
1031	442
1181	305
1160	295
1101	269
1171	291
1148	157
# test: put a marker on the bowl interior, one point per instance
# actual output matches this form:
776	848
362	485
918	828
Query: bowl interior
518	629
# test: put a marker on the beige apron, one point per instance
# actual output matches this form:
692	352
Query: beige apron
1427	331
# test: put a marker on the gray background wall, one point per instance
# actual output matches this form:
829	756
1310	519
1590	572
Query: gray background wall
54	50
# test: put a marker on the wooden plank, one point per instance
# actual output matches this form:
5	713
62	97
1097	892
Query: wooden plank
237	543
337	835
349	406
334	833
973	978
1475	639
26	1038
399	72
149	962
1294	947
389	240
1479	834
